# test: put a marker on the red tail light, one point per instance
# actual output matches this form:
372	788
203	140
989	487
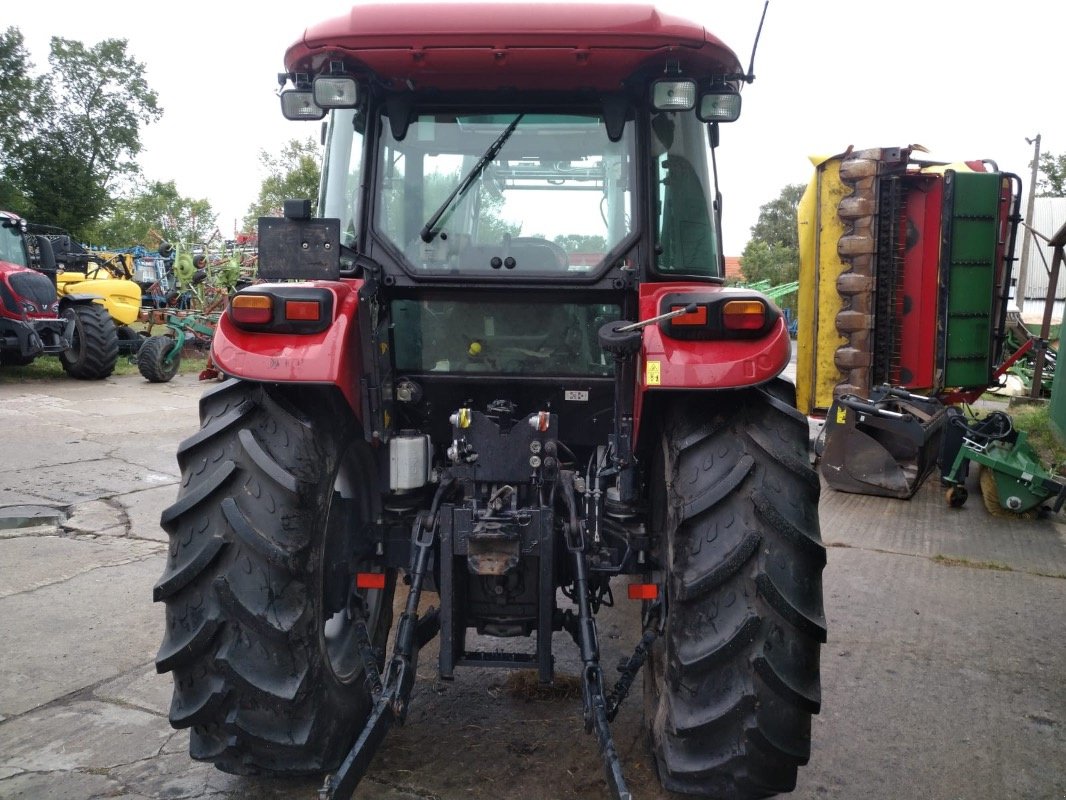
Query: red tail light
743	315
725	314
370	580
697	317
289	308
303	310
252	309
643	591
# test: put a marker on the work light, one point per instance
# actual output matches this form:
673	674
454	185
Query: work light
673	95
300	104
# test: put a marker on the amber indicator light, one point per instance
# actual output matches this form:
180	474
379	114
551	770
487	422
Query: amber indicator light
743	315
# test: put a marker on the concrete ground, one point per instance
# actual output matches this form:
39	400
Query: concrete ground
944	676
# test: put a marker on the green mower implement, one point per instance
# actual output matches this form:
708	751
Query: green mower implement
1018	483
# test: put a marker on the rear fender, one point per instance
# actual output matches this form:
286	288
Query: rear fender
331	356
669	364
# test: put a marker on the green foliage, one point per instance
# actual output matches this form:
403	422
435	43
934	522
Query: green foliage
1051	180
20	92
73	134
292	175
156	212
63	187
1035	420
772	253
577	243
765	261
777	219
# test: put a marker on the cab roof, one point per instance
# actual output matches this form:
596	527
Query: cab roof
490	46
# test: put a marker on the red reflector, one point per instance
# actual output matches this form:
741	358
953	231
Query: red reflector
370	580
743	315
252	309
303	310
697	317
643	591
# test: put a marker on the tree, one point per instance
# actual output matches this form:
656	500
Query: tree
1052	179
292	175
777	219
154	213
20	92
578	243
772	253
19	111
79	132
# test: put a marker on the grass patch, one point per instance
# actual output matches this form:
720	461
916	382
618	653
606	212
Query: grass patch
1034	420
48	368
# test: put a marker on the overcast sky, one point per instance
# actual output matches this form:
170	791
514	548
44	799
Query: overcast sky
966	80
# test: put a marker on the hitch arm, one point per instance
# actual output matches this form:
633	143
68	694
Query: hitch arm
392	694
594	698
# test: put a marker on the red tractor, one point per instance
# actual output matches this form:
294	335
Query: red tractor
30	324
503	362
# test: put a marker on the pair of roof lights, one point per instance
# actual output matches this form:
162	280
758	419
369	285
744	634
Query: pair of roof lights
719	103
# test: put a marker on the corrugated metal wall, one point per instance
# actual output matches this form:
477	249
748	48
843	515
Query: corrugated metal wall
1049	213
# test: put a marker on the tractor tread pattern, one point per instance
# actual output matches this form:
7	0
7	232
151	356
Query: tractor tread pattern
733	682
94	353
152	359
251	680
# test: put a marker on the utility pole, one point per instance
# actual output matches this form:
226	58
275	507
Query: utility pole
1023	262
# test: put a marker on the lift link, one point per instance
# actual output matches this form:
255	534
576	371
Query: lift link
392	695
628	670
594	698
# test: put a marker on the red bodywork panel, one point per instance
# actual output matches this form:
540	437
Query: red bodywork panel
670	364
917	304
487	46
330	357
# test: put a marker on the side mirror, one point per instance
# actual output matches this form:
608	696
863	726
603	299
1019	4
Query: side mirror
46	256
713	134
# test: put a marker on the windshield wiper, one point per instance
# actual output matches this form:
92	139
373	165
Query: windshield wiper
433	226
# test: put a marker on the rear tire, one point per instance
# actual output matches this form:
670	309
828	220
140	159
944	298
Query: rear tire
734	679
268	530
93	348
152	359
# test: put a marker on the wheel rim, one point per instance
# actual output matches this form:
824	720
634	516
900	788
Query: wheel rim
346	519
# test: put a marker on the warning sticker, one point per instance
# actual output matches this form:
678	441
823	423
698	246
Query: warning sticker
842	415
653	373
